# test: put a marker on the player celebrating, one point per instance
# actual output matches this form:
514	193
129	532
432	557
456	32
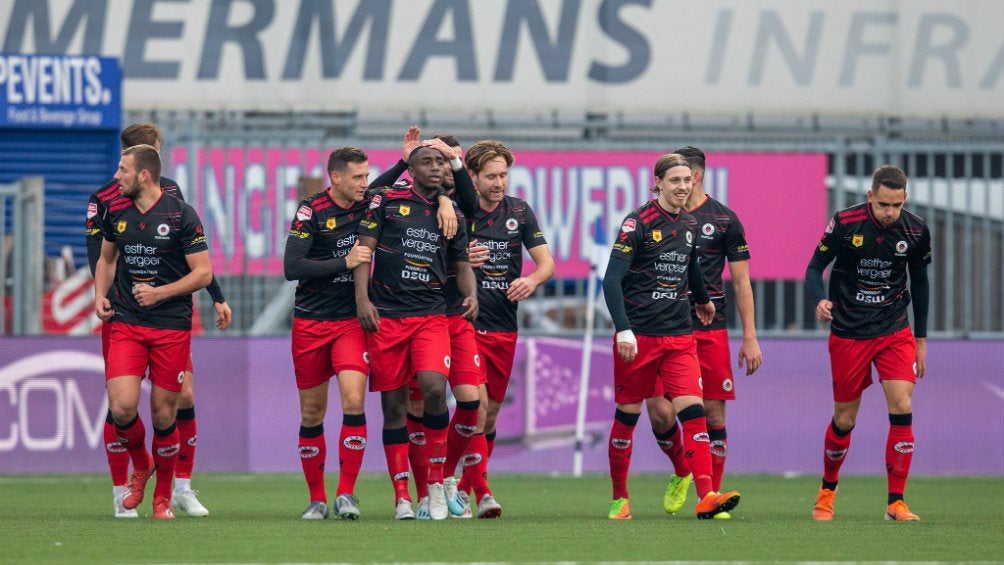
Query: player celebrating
409	335
153	257
653	271
873	246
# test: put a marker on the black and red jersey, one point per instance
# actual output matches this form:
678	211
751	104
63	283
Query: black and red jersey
720	237
328	231
412	254
659	246
153	246
506	230
868	282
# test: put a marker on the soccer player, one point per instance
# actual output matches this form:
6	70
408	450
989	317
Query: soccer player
402	306
652	273
184	498
321	251
873	247
720	238
153	258
506	225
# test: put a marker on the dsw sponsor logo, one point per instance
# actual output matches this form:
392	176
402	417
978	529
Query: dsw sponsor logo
44	409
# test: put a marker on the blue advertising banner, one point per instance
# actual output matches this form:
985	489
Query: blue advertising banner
60	92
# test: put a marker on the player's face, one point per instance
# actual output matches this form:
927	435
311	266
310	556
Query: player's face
127	177
674	187
493	179
427	168
350	185
887	204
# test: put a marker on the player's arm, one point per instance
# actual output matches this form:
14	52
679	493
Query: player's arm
524	287
824	254
367	313
104	276
613	294
297	266
705	309
446	215
921	295
94	234
200	273
463	189
468	287
749	351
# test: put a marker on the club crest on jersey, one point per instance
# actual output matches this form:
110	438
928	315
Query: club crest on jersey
331	223
830	226
690	237
404	210
304	213
375	202
628	225
858	240
901	247
708	229
511	224
121	227
162	229
92	210
657	235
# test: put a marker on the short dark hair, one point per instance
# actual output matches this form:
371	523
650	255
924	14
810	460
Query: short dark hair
447	139
889	176
694	156
340	158
421	149
146	158
486	150
141	133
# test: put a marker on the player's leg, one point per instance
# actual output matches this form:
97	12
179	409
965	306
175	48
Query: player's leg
417	457
351	441
184	499
117	454
896	374
717	388
170	353
311	347
669	437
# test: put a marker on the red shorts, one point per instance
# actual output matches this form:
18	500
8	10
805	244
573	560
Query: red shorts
404	346
106	332
498	350
664	365
716	364
322	348
133	349
465	363
894	355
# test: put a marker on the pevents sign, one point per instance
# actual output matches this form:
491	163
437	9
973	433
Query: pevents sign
922	58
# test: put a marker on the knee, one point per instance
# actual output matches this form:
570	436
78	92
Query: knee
312	414
844	422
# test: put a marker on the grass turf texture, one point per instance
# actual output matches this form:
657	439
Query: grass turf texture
255	519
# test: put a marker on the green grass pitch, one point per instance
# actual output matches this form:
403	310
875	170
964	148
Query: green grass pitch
255	519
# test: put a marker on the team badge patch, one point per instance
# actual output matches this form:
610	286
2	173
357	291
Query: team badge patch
657	235
858	240
404	210
708	229
304	213
162	229
92	210
331	223
121	227
901	247
830	226
690	237
511	224
628	225
375	202
727	385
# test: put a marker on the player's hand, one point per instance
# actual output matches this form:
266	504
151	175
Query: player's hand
921	364
441	146
521	289
627	345
410	143
103	309
477	255
705	312
146	295
447	218
749	352
358	255
471	312
368	316
824	310
223	315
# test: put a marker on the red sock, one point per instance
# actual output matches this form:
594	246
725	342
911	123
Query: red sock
436	428
695	447
165	454
898	455
188	437
490	440
416	456
619	448
462	428
671	443
133	437
118	456
351	447
395	449
475	474
719	450
834	451
313	453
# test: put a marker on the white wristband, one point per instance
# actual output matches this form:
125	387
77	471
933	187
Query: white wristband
456	164
626	336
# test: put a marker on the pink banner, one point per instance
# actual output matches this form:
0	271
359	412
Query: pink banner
246	198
